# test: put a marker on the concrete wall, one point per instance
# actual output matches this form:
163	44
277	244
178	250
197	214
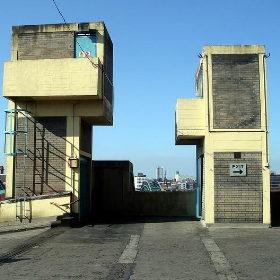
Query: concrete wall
162	204
114	195
190	121
43	64
108	67
45	207
68	78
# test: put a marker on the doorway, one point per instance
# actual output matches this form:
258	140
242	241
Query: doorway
84	188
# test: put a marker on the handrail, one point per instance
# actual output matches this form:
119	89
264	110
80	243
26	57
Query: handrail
65	204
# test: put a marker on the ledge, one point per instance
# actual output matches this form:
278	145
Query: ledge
38	197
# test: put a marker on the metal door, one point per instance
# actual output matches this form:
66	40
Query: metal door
85	45
84	189
199	184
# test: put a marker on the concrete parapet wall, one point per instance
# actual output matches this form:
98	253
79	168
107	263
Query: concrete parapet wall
160	204
38	208
114	195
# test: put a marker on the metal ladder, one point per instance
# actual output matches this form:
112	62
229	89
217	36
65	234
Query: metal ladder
16	133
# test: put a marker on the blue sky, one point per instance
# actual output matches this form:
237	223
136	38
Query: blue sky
156	43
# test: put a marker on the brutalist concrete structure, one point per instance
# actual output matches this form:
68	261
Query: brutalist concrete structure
227	121
59	83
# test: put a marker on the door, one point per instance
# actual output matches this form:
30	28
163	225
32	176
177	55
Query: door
199	186
85	45
109	193
84	188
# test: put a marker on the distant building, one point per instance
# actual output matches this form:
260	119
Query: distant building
2	183
159	174
185	186
2	177
274	181
138	181
177	176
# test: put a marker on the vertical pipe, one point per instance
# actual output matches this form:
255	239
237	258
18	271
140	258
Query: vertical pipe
198	184
265	108
34	156
5	140
43	161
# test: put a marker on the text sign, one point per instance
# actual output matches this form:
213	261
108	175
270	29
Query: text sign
238	169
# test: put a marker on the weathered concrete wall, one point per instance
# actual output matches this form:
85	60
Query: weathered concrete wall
38	208
114	195
108	66
181	204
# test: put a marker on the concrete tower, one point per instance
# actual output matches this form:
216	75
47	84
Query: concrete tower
59	83
228	124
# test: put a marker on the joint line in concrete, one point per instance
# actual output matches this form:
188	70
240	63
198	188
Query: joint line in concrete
223	269
130	252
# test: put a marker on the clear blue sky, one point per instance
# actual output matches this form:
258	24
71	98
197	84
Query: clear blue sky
156	43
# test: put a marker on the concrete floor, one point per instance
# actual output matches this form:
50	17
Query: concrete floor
149	250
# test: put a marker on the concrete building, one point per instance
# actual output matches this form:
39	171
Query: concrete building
274	181
159	174
177	176
138	181
2	183
59	83
184	186
227	121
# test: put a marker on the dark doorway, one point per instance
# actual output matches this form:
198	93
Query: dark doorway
108	193
84	189
199	187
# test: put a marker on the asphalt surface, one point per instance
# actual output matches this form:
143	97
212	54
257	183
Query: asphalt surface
151	250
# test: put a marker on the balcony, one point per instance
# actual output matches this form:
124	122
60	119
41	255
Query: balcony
54	79
190	121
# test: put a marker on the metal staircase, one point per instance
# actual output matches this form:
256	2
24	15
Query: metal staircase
16	133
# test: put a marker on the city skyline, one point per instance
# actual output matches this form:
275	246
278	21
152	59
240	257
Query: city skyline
155	61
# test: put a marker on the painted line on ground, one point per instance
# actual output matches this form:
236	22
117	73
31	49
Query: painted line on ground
220	262
130	252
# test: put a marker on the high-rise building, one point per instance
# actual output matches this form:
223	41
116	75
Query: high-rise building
274	181
177	176
160	174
